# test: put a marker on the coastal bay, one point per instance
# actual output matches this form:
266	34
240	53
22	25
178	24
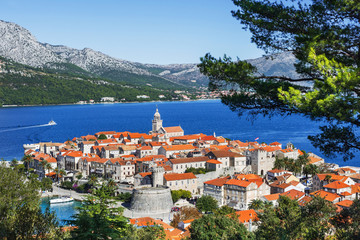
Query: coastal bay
21	125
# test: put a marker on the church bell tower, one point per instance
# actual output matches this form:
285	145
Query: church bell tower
156	122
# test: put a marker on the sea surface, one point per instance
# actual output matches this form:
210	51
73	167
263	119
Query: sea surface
21	125
63	211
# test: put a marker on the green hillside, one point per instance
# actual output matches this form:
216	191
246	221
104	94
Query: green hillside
24	85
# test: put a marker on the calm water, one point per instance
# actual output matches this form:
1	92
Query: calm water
64	211
21	125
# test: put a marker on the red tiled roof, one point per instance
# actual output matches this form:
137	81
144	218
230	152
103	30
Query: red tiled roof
236	182
336	185
276	184
274	143
188	160
213	161
293	194
144	174
345	203
111	140
272	197
179	147
186	137
75	154
326	195
218	181
344	170
223	153
314	160
248	177
178	176
287	150
208	138
305	200
145	148
245	215
173	129
277	171
106	133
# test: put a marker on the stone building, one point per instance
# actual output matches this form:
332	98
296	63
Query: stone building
229	159
261	159
179	165
215	189
185	181
240	193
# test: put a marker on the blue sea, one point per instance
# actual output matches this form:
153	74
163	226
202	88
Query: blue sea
63	211
21	125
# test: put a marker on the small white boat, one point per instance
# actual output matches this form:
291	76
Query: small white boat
52	122
63	199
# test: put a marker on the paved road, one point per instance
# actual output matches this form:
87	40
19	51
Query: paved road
61	192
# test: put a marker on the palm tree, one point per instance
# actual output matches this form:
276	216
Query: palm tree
14	162
327	178
27	159
311	169
256	204
279	163
93	180
43	164
111	183
62	173
79	176
48	167
57	172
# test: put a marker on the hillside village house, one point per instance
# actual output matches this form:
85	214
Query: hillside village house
261	159
215	189
229	159
240	193
185	181
169	150
179	165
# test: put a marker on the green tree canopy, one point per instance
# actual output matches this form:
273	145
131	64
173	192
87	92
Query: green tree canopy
102	136
323	35
207	204
177	194
96	220
20	212
211	227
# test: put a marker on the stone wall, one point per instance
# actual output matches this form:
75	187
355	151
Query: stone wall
212	175
147	201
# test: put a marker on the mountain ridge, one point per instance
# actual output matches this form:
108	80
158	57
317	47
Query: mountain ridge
18	44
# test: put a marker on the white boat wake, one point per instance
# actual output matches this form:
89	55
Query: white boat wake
34	126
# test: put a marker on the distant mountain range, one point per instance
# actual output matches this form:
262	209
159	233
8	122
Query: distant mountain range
19	45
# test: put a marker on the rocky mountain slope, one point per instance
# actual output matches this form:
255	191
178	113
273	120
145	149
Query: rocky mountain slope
20	45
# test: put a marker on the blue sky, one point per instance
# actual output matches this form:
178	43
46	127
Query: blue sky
146	31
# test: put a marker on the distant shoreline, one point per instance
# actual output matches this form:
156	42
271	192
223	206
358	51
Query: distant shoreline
71	104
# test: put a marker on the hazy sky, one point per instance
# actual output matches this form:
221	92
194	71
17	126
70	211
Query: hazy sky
146	31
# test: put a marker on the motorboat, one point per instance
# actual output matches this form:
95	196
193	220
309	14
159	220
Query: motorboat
52	123
63	199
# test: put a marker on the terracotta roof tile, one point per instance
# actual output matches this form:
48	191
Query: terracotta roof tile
179	147
326	195
336	185
293	194
272	197
213	161
236	182
245	215
173	129
218	181
188	160
345	203
178	176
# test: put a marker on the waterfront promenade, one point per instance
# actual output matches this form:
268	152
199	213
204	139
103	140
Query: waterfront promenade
61	192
